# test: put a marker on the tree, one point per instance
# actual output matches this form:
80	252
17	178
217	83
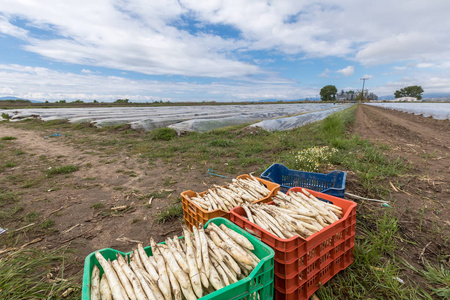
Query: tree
121	101
328	93
410	91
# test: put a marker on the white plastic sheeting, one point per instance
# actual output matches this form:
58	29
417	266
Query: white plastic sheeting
183	118
439	111
300	120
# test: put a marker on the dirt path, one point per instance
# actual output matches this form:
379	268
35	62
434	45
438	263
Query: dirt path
79	203
422	199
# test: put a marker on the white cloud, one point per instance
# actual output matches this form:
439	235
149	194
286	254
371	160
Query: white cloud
7	28
183	37
424	65
45	84
347	71
325	73
143	36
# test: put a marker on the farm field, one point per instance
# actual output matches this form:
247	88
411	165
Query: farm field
56	193
199	118
439	111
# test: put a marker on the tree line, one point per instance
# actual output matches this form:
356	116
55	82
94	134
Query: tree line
328	93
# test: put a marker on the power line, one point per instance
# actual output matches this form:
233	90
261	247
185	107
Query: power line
362	91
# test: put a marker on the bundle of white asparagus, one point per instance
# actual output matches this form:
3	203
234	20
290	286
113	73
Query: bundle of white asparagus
187	268
294	214
236	193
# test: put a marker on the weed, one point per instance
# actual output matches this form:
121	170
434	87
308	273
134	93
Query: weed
47	223
62	170
8	197
10	213
171	213
421	216
31	216
23	272
118	188
31	182
97	205
19	152
8	138
220	143
437	275
163	134
6	116
311	159
10	164
169	181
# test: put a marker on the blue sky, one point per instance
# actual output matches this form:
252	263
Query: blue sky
220	50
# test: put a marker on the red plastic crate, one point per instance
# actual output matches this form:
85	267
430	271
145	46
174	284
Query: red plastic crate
303	265
194	214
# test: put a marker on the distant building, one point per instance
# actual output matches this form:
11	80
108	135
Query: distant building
345	96
351	95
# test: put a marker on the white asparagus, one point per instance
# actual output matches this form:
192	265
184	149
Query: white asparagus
229	272
105	290
146	262
163	282
230	246
175	286
153	285
194	273
215	280
198	246
95	283
138	291
204	245
214	248
137	259
230	261
178	257
113	280
182	277
142	281
238	238
124	280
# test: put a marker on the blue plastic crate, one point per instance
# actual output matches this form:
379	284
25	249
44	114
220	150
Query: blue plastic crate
332	183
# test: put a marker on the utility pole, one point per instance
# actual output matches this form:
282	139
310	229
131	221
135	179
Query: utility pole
362	92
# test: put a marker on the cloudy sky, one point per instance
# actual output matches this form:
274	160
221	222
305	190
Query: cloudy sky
221	50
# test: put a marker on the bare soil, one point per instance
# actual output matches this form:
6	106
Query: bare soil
420	199
80	202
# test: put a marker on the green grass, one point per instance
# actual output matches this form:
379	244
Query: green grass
47	223
23	275
438	276
173	212
374	273
8	197
30	217
97	205
62	170
8	138
163	134
10	164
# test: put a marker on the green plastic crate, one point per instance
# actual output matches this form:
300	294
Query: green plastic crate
258	285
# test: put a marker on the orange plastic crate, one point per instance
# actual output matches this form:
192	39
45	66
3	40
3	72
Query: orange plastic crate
194	215
303	265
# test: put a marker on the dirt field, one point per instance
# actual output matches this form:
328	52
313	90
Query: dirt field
79	203
422	199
